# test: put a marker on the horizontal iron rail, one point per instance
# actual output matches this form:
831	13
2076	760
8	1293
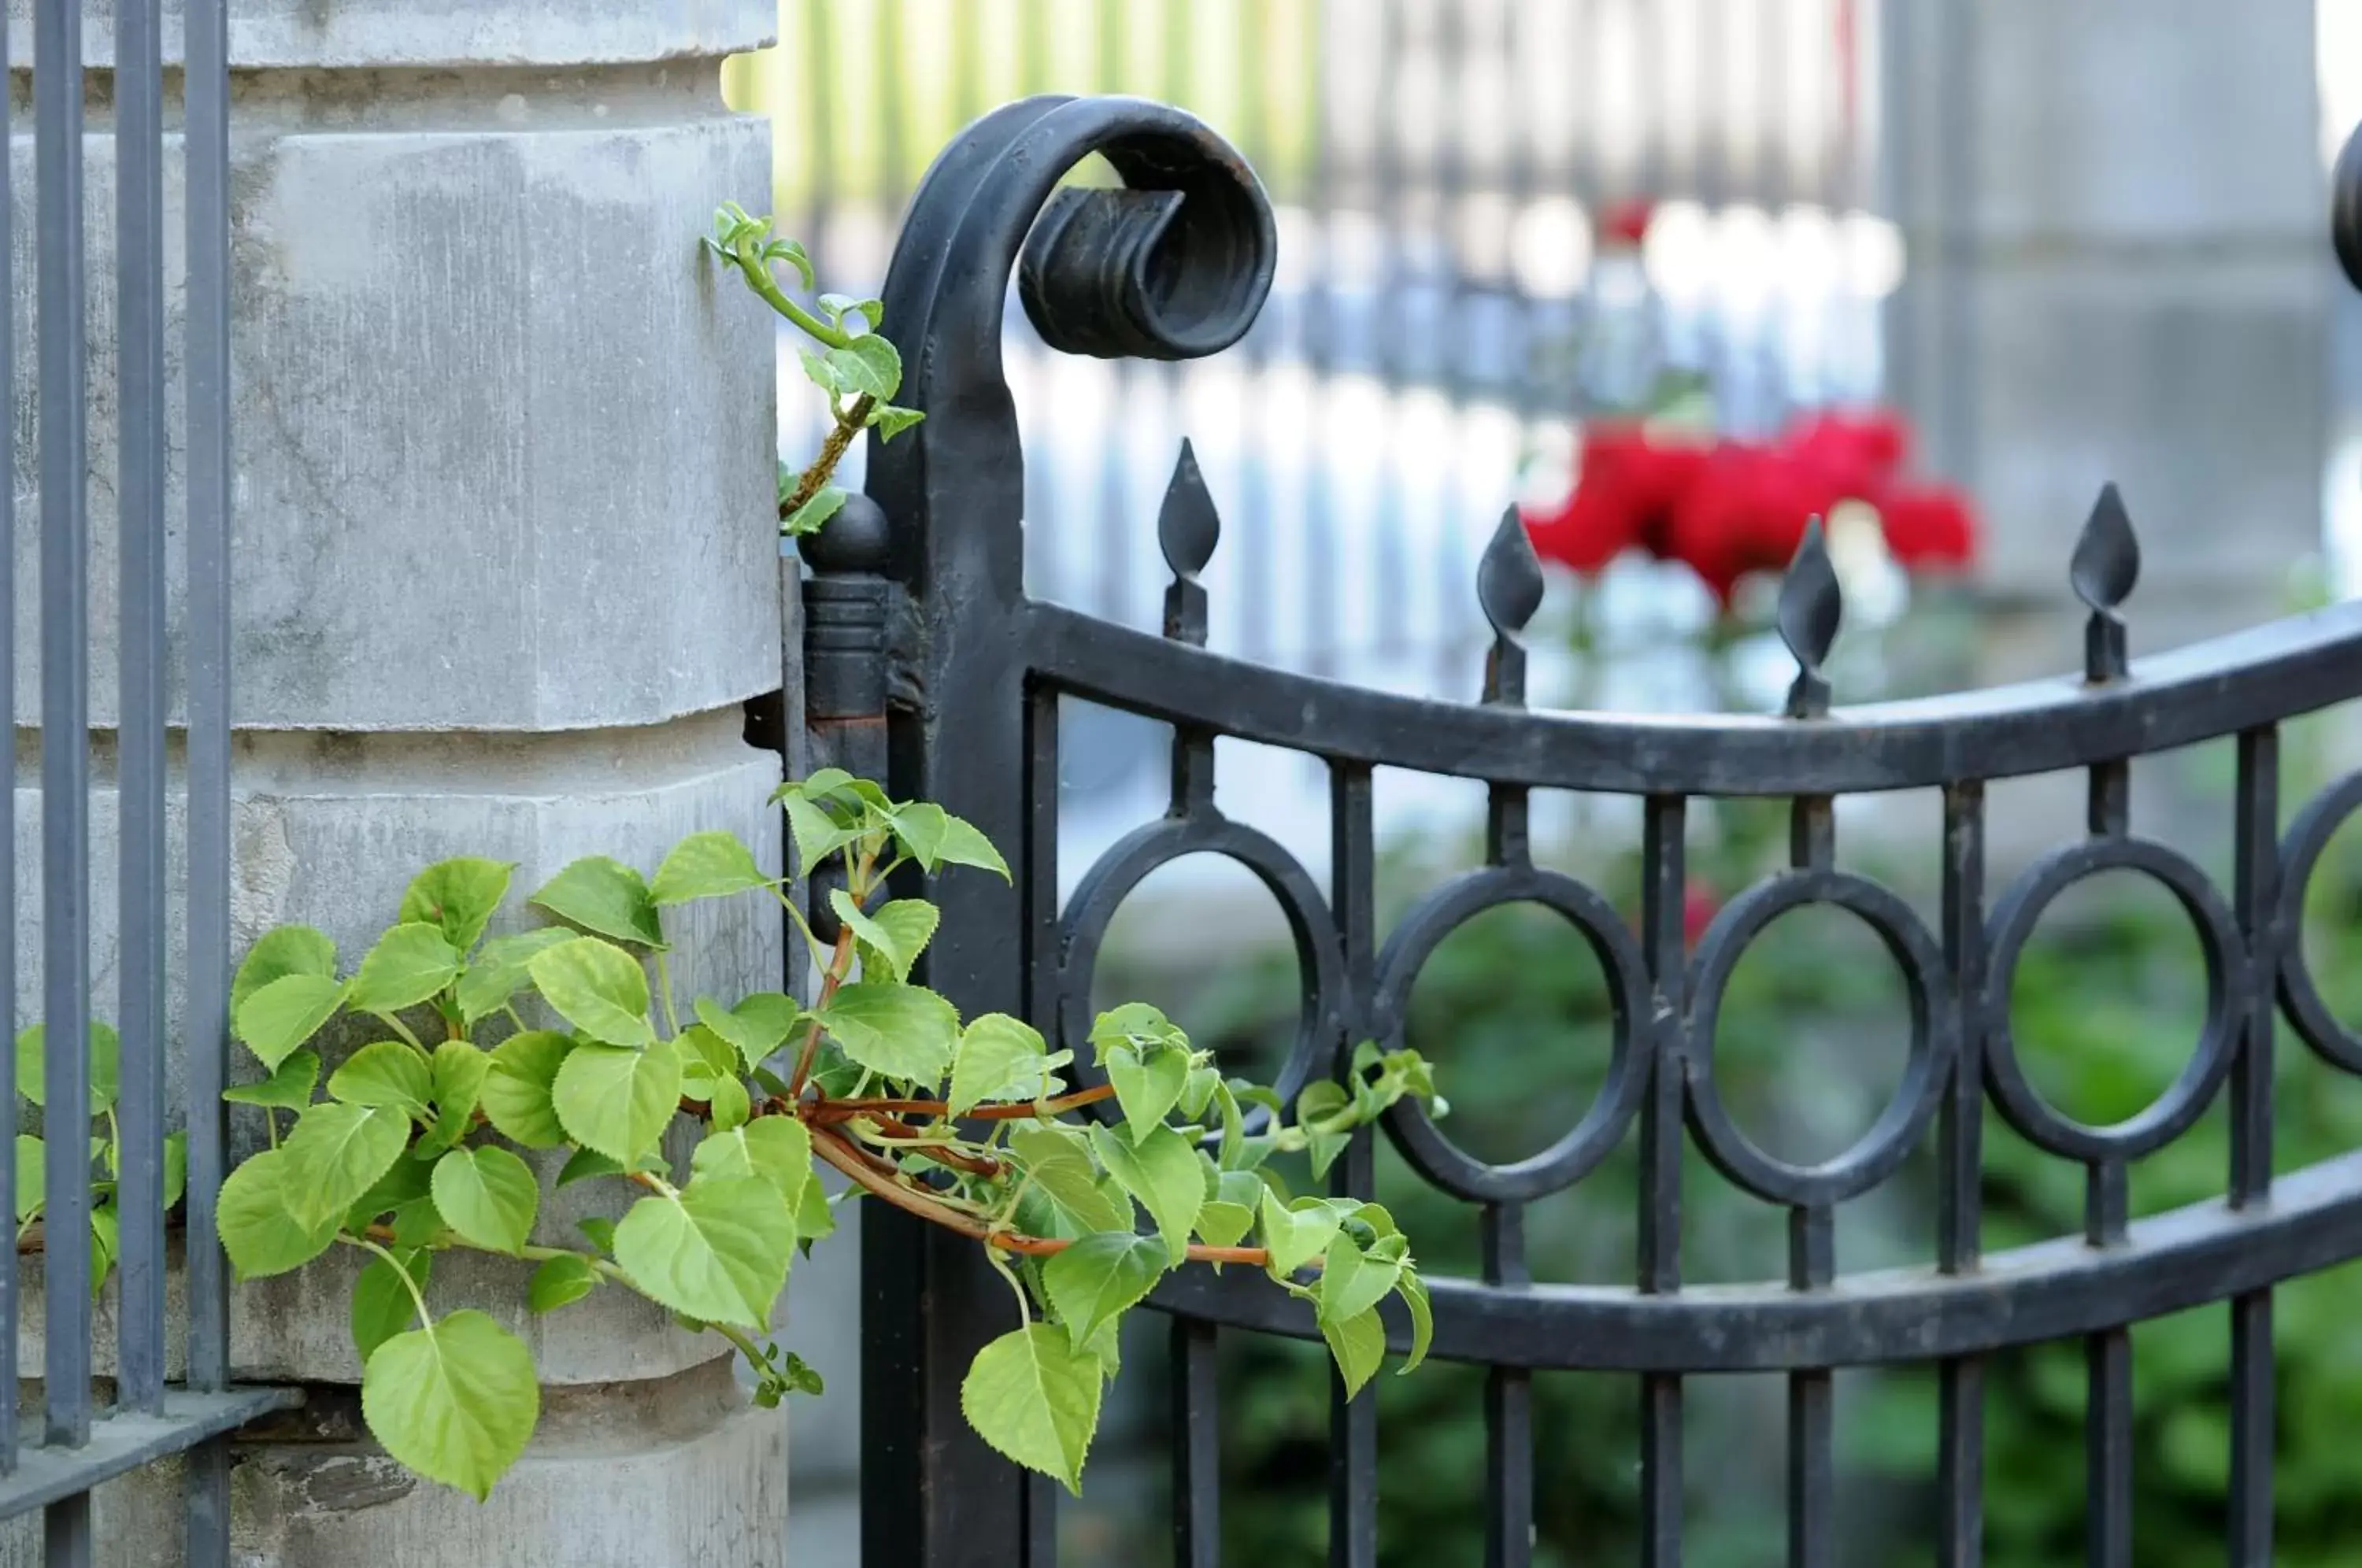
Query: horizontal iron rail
2195	693
123	1443
2187	1257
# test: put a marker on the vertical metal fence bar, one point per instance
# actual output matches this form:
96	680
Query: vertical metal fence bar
2108	1412
140	371
10	1301
208	655
1812	1432
1508	1411
1661	1172
1197	1447
1959	1468
2256	877
65	756
1353	1423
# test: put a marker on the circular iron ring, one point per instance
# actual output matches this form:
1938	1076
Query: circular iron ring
1567	1161
2035	1118
1935	1040
2301	852
1320	951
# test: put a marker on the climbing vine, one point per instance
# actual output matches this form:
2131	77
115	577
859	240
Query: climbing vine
711	1117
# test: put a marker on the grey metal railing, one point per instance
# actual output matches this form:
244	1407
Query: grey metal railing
82	1440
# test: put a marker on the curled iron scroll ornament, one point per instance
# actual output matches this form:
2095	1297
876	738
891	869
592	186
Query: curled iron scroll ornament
1174	266
1582	1147
1935	1039
1320	951
2301	999
2035	1118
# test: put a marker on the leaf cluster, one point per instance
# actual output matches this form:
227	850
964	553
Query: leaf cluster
567	1041
859	369
105	1148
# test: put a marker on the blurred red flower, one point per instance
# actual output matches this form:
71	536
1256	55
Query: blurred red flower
1626	222
1738	508
1624	498
1699	906
1850	457
1929	527
1746	512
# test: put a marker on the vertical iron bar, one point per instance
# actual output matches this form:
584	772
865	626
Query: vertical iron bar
1960	1536
1196	1449
1508	1411
1661	1172
139	371
1812	1483
1353	1423
2108	1411
2256	878
1112	547
65	756
10	1300
208	649
1041	968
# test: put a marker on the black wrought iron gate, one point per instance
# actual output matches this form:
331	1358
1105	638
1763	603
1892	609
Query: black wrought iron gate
923	647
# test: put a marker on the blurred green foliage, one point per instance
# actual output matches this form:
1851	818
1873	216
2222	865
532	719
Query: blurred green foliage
2107	1004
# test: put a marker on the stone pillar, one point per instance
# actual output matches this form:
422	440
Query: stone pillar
505	575
2116	221
2116	218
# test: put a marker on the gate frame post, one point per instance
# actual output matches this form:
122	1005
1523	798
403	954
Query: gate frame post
959	729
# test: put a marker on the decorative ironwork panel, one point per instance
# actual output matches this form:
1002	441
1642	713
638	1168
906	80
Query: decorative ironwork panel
1175	265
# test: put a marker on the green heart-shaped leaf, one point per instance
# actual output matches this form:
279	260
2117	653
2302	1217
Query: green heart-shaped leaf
410	963
337	1153
518	1084
999	1058
1161	1170
257	1221
503	969
385	1073
1353	1282
457	898
1359	1344
706	866
901	1032
777	1148
1059	1163
756	1026
615	1101
1095	1280
1147	1088
561	1281
604	896
487	1195
282	951
717	1250
456	1401
1035	1398
282	1015
596	987
1294	1236
288	1089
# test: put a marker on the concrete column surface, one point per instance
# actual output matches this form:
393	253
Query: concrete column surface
2116	217
505	575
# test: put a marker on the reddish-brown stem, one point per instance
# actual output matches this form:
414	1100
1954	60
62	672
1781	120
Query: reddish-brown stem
877	1178
848	424
837	1111
840	960
975	1164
